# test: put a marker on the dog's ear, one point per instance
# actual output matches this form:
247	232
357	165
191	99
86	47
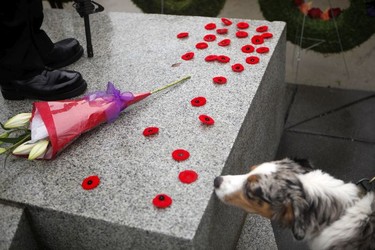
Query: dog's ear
304	163
299	205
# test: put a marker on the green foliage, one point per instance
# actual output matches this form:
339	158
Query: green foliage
182	7
353	25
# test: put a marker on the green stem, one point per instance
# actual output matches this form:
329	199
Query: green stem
18	143
170	85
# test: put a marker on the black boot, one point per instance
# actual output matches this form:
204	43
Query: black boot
48	85
64	53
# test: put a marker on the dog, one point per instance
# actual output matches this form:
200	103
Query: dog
318	208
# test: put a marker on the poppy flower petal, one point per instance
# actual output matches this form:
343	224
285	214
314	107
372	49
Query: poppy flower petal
226	21
150	131
207	120
262	50
220	80
257	39
180	155
252	60
188	176
247	48
242	25
210	58
162	201
263	28
223	59
198	101
182	35
209	38
237	67
222	31
267	35
224	42
210	26
201	45
188	56
90	182
242	34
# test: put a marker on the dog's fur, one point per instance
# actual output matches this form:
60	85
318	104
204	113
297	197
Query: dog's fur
325	211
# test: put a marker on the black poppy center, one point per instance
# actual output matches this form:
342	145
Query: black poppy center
161	197
207	119
89	182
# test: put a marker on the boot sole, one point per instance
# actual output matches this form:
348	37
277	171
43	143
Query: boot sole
18	95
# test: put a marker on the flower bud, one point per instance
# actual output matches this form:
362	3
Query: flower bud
39	149
20	120
24	148
4	135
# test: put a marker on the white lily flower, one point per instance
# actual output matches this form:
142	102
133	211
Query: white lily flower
39	149
2	150
24	148
20	120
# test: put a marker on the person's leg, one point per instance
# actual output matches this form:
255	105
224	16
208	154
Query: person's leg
22	66
54	55
19	58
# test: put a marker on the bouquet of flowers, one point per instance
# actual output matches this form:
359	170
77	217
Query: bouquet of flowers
53	125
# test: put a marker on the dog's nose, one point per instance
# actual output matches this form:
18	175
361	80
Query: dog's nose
217	182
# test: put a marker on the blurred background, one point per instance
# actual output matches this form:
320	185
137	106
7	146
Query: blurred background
352	69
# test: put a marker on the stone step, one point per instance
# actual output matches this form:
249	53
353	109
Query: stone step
15	232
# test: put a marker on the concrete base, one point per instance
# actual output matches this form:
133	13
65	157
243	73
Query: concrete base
139	53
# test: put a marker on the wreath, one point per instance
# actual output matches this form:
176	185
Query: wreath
353	25
210	8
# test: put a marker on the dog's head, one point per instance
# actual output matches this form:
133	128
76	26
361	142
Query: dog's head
272	190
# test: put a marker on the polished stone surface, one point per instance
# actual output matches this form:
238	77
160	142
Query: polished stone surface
139	53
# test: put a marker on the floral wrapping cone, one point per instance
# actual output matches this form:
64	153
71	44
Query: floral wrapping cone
61	122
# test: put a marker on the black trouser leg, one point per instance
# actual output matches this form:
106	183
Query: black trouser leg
20	22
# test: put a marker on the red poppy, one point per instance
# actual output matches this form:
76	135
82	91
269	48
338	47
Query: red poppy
150	131
198	101
188	176
210	58
180	155
237	67
90	182
182	35
220	80
223	59
247	48
257	39
188	56
263	28
262	50
226	21
205	119
314	13
252	60
210	26
224	42
242	25
298	2
242	34
209	38
267	35
201	45
162	201
222	31
334	12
